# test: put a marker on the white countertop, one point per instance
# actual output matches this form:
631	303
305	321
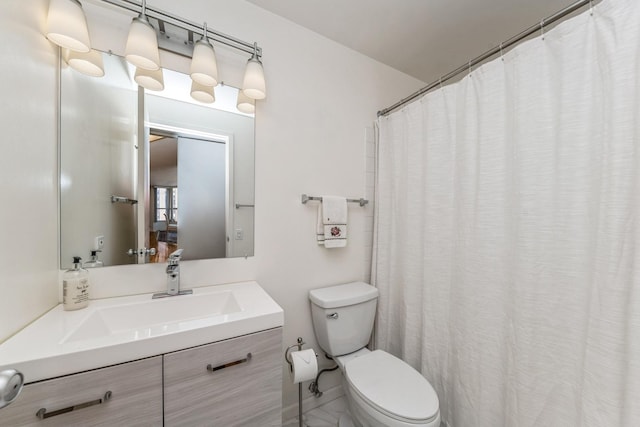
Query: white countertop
63	342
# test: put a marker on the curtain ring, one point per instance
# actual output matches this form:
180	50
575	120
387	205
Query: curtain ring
501	53
440	82
469	68
591	7
542	29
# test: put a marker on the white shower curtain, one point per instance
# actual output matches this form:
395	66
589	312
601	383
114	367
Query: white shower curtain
507	243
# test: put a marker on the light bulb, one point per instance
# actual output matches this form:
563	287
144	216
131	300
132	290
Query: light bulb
202	93
150	79
245	104
89	63
67	25
254	85
204	68
142	43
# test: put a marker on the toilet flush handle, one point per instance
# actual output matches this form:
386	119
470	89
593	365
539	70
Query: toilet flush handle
332	316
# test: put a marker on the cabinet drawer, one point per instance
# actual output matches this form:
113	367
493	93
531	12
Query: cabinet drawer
235	391
135	398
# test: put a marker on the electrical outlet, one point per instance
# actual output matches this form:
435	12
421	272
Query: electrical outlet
239	234
98	243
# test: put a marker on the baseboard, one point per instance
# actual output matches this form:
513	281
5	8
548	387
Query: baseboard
311	402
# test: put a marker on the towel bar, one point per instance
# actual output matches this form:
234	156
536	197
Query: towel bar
360	201
119	199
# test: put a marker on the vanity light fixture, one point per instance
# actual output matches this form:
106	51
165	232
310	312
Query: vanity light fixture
67	25
254	85
89	63
142	43
204	68
202	93
245	104
148	79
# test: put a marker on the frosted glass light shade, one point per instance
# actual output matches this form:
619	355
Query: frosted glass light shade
254	85
150	79
204	68
245	104
202	93
67	25
89	63
142	45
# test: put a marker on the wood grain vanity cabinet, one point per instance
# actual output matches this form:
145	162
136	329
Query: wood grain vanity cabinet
131	395
235	382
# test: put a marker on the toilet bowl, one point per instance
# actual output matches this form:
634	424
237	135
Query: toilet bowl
381	390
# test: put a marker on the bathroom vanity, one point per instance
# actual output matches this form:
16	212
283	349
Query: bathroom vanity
196	367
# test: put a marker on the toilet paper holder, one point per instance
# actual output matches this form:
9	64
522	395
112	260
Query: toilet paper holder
287	352
287	358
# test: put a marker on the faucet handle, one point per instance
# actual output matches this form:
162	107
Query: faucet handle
176	255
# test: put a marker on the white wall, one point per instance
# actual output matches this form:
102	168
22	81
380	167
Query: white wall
164	177
310	138
28	171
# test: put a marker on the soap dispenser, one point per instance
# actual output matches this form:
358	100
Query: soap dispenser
94	262
75	286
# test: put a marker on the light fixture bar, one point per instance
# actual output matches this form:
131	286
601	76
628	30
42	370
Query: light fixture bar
186	25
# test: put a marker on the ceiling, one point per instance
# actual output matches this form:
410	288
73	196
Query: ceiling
163	152
423	38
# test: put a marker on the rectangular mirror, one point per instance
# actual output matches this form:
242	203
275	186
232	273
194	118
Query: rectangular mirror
154	170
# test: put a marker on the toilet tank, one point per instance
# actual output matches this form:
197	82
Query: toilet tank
343	316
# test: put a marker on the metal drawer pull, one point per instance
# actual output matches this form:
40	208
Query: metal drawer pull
43	414
212	368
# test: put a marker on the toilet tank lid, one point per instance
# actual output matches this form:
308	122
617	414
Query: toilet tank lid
343	295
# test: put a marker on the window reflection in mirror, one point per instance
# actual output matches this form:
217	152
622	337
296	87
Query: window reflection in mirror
166	203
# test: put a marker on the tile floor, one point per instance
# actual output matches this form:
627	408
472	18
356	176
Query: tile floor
326	415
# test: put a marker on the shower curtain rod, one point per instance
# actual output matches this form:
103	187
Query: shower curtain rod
488	54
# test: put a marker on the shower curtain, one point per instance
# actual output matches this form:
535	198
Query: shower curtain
507	237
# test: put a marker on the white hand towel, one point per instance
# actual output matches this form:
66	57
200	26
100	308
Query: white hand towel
334	210
334	220
320	227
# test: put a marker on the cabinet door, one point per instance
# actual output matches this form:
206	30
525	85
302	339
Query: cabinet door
234	391
122	395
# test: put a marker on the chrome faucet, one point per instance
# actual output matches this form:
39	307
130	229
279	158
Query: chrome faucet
173	277
173	273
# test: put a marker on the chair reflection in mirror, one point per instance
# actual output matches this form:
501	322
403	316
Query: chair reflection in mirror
164	237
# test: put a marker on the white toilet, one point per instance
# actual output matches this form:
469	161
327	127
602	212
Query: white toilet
382	390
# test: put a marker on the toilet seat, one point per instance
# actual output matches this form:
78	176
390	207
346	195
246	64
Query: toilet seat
392	387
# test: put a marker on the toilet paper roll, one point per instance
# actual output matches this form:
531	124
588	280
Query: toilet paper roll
305	365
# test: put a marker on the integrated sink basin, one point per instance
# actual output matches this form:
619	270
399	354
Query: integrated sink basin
155	316
117	330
